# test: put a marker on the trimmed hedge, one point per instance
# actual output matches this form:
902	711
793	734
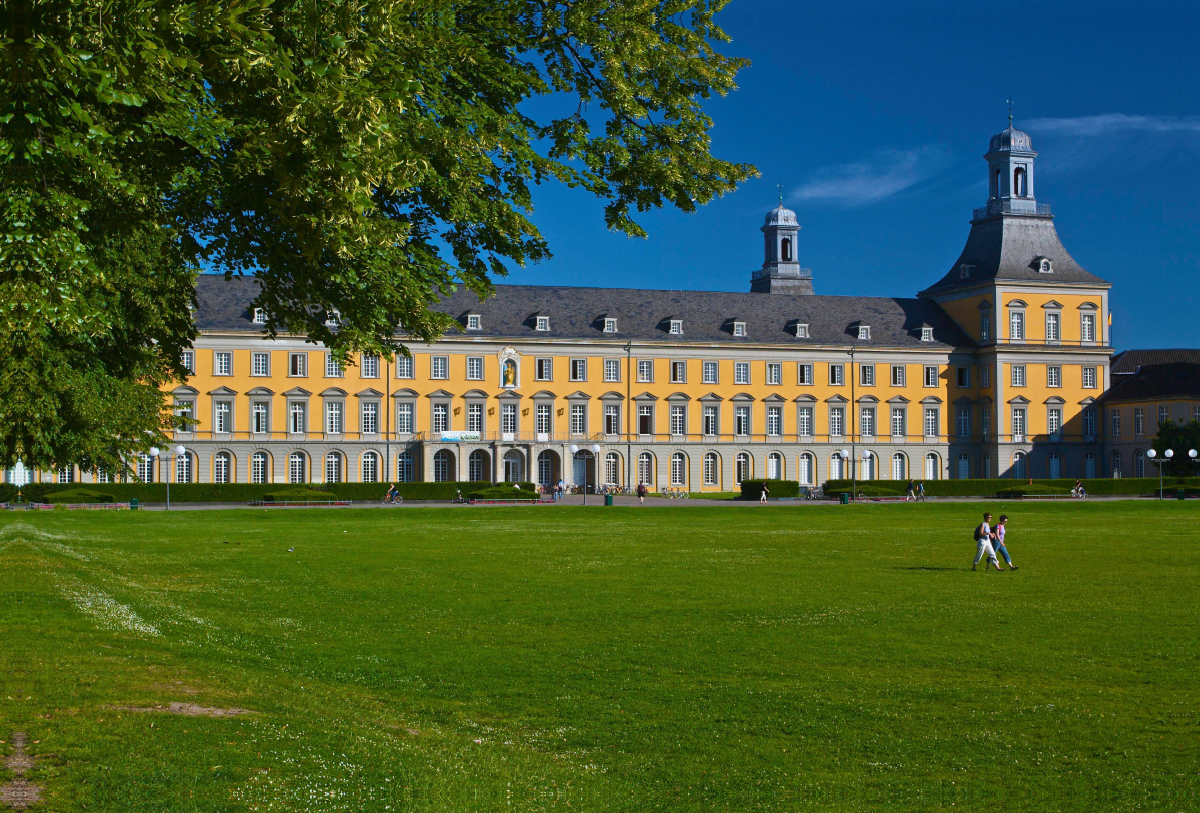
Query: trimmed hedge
987	488
752	489
246	492
1034	490
79	495
504	492
300	495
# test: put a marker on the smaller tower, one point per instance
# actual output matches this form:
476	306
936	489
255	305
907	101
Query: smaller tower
781	272
1010	172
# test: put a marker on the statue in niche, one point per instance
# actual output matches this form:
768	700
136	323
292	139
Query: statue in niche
510	373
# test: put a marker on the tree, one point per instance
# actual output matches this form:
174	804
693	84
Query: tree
361	157
1179	438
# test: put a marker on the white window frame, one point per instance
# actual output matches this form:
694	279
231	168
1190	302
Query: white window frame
474	368
964	422
899	422
1087	327
578	419
985	376
260	363
439	417
898	375
741	372
578	369
439	368
802	331
774	373
1139	421
1054	375
474	321
866	375
297	417
741	421
333	367
222	417
335	417
774	421
1089	378
864	333
866	421
710	421
678	423
368	366
837	422
1018	375
804	374
543	369
926	334
543	418
223	362
1053	327
612	419
406	416
368	417
260	317
187	360
962	377
804	421
612	371
1114	427
475	417
837	375
260	417
676	327
1020	424
405	367
1016	325
542	324
739	328
508	418
985	327
932	422
610	325
645	371
931	375
678	372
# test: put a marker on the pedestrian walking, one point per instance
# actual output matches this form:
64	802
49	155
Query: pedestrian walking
998	536
909	494
983	544
762	498
641	493
921	491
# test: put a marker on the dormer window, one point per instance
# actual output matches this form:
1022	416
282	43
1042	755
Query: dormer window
474	321
610	325
260	316
739	328
926	334
1045	266
864	332
676	328
964	271
333	318
543	323
802	331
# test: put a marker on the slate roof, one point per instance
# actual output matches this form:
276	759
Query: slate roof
1158	381
1003	247
708	316
1129	361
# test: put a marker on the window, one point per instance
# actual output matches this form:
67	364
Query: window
1164	414
1139	463
742	469
1053	376
145	468
404	367
260	316
610	325
474	368
802	332
297	468
806	469
866	420
370	468
1052	327
678	372
66	474
222	362
183	468
543	370
260	364
864	332
964	270
612	468
1089	423
258	467
474	417
439	367
985	326
709	421
578	419
296	422
404	418
368	366
333	468
612	370
739	328
804	421
298	365
985	376
474	322
836	377
221	466
1016	325
333	417
804	374
1139	420
964	423
710	469
369	417
899	429
898	375
222	417
774	372
1089	378
404	467
441	418
187	411
741	420
1018	375
1087	327
579	369
645	371
931	423
508	418
645	468
774	420
926	334
612	419
678	420
188	360
985	422
837	421
933	468
333	366
1018	424
1196	413
963	375
543	323
931	375
709	373
1115	423
333	318
259	417
1054	424
1046	266
866	375
645	419
676	327
741	372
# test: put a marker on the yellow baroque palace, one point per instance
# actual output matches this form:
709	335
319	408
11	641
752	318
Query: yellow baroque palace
994	370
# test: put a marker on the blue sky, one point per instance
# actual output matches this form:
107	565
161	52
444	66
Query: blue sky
874	117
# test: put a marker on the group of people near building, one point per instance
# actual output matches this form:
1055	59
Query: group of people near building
989	542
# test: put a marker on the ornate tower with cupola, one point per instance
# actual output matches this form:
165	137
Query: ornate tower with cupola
1010	172
781	272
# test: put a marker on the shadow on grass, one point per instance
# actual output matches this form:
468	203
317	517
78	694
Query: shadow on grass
925	567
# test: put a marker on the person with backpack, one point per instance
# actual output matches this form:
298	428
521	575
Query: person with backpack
641	493
983	544
998	535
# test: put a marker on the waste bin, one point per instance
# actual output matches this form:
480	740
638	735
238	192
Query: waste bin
133	504
1181	494
845	498
608	499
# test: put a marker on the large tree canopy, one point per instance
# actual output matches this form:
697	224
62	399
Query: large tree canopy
361	156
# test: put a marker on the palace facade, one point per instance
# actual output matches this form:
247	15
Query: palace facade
995	370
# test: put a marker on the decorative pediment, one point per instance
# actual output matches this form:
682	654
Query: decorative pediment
985	305
806	399
899	399
837	399
1089	306
542	395
710	398
1087	401
645	396
185	390
931	399
405	393
742	397
868	399
775	398
1054	399
679	396
260	392
1020	399
1017	303
985	399
223	391
579	395
333	392
1053	305
475	394
369	392
299	392
440	394
964	401
510	395
612	395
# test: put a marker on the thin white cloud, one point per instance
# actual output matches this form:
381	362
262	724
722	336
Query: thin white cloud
863	182
1113	123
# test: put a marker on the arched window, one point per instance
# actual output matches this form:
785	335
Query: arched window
477	466
868	468
964	466
899	466
996	184
806	469
1139	463
259	463
184	468
370	467
785	250
742	468
710	469
443	466
404	467
985	466
1019	182
612	469
1055	466
297	467
774	466
933	468
145	468
1089	466
1019	466
678	469
1116	465
546	468
645	469
222	463
514	466
333	467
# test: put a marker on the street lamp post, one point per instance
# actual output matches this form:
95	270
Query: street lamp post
594	450
1153	455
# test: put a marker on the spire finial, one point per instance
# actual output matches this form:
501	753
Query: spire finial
780	194
1010	110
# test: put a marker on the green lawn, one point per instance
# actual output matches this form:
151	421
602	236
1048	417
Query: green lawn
730	658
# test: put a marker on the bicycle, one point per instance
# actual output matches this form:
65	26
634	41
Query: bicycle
392	499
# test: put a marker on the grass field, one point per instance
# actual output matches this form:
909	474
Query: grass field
685	658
